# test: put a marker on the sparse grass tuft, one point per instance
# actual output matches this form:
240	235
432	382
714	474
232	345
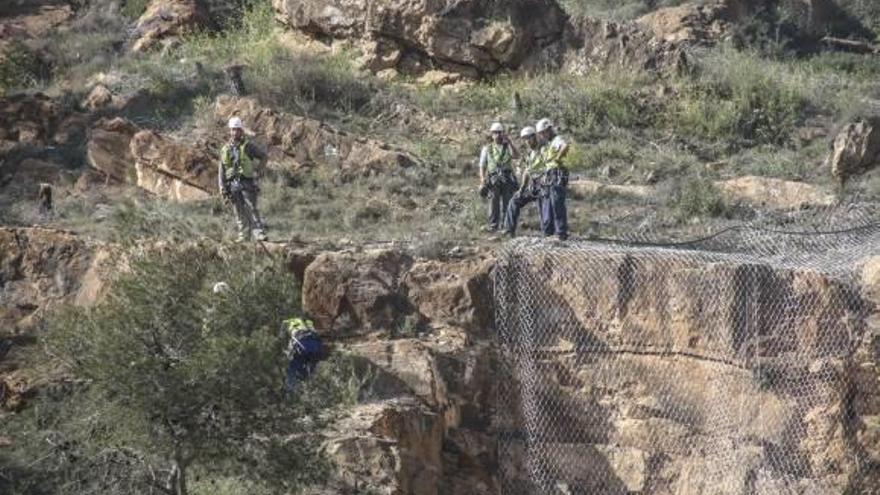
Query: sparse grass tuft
740	98
21	68
615	9
697	197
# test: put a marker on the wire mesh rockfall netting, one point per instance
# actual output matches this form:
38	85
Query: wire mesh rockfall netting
740	363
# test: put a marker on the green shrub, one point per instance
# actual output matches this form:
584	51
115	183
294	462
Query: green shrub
20	68
698	197
742	99
865	11
301	83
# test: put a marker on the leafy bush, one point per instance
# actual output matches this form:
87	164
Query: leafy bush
698	197
21	67
739	98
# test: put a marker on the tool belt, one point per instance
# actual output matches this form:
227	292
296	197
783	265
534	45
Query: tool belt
235	186
555	177
497	179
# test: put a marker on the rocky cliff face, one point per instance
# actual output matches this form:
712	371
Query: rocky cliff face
675	373
474	37
647	379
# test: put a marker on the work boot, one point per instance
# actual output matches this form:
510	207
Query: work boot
259	235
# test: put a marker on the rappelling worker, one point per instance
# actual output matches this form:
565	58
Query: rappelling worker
238	180
304	350
497	180
554	149
531	175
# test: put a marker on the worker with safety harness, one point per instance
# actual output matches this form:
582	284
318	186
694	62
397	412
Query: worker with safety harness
531	188
238	180
497	180
304	350
554	149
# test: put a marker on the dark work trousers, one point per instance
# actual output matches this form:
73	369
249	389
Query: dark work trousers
554	216
502	188
244	203
517	203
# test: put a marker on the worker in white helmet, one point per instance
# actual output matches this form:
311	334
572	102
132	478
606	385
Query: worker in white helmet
530	182
554	149
237	180
497	180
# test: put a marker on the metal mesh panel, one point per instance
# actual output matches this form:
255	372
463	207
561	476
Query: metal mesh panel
717	366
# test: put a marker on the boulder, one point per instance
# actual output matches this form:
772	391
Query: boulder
308	142
28	119
455	293
24	21
349	293
472	37
168	19
594	43
392	447
171	169
98	98
856	148
108	148
585	187
167	186
690	22
766	192
39	268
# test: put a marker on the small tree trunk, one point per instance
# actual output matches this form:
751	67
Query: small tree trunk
236	84
177	479
45	198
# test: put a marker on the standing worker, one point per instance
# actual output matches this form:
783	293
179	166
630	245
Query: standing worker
531	177
238	180
554	216
497	180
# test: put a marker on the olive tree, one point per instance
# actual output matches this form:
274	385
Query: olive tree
173	376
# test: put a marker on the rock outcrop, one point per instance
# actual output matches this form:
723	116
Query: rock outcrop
856	148
173	170
308	143
26	21
168	20
690	22
473	37
108	151
40	268
647	412
155	163
349	293
27	120
605	396
778	194
590	43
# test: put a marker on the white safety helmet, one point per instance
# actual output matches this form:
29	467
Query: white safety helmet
235	123
220	287
543	125
496	127
527	131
